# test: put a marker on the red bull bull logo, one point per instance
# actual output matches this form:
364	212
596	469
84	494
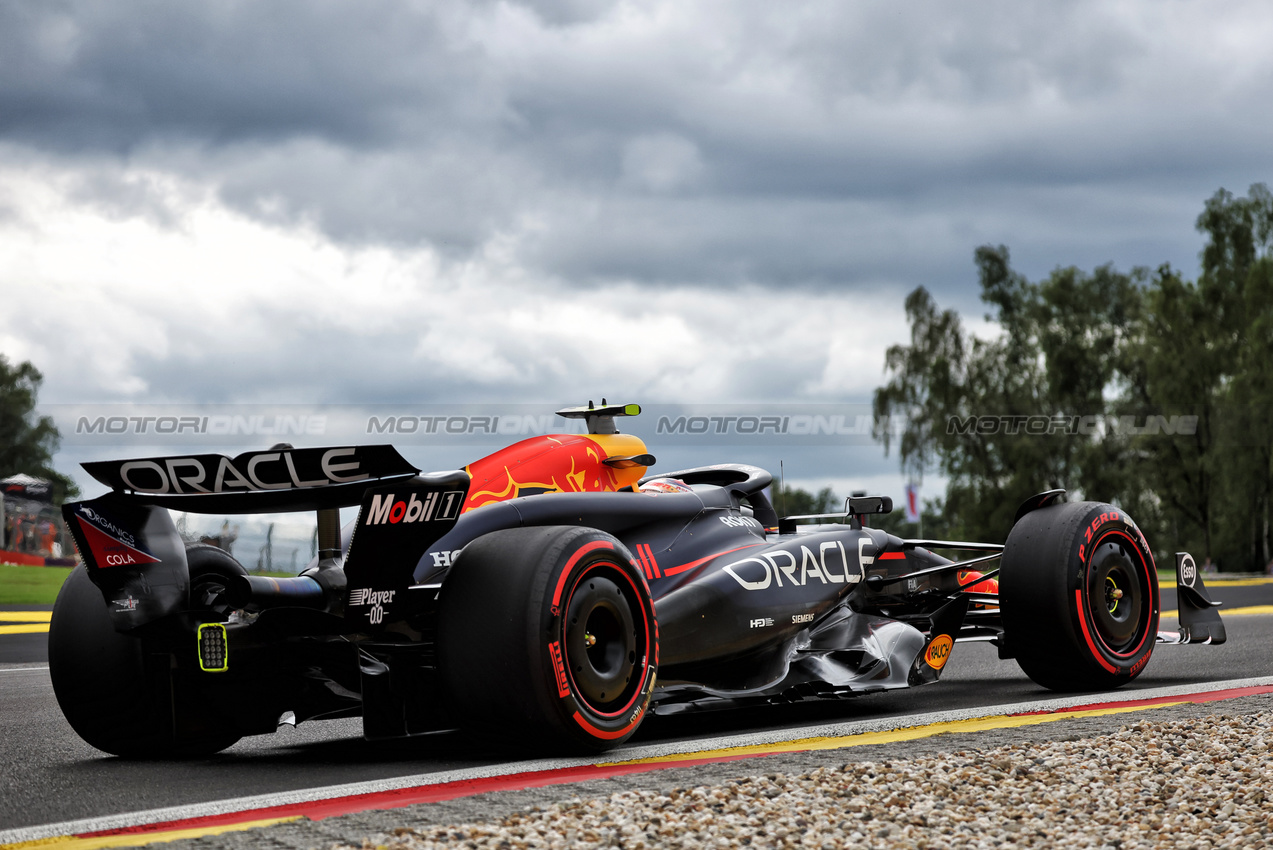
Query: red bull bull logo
561	463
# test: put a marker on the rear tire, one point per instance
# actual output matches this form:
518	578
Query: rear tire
116	689
547	639
1078	591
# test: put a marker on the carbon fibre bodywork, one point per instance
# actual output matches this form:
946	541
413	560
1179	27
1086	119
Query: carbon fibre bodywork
744	613
749	608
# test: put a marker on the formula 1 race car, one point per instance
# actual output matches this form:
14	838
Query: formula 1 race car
557	593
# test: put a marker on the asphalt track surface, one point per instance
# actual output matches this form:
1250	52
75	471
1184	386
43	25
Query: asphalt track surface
47	775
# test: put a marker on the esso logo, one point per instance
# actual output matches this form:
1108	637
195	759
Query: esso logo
1188	571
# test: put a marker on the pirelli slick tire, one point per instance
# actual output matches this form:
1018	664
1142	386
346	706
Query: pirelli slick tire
114	689
1078	591
547	639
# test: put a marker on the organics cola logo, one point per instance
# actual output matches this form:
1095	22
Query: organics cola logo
106	525
110	545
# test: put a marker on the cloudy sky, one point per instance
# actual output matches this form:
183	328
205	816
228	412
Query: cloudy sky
391	203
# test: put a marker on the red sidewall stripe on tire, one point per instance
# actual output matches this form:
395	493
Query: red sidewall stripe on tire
1087	635
602	733
645	622
570	565
1078	604
1151	582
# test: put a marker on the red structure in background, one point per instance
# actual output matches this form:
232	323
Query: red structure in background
34	533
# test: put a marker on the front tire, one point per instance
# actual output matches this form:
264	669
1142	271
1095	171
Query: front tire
547	638
1078	589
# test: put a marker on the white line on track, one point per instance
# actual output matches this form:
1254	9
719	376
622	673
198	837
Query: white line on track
20	669
646	751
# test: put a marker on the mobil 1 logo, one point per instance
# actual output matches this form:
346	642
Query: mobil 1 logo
431	507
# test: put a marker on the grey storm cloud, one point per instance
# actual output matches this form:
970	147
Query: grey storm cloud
86	77
439	202
818	144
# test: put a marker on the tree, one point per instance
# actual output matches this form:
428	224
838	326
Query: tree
793	501
1002	416
27	442
935	523
1254	384
1159	389
1237	264
1177	371
928	383
1203	350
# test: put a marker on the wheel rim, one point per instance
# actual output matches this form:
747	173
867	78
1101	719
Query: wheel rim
602	643
1118	595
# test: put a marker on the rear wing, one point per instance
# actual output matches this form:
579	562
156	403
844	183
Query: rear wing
280	479
135	556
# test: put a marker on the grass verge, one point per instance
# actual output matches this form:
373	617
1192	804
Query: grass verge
39	585
31	585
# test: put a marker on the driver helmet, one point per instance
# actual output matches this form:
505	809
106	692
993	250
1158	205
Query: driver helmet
657	486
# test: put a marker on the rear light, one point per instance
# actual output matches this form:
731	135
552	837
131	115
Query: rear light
214	655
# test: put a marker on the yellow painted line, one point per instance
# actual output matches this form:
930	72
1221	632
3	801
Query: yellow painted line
910	733
1174	614
1168	580
137	839
1238	582
1253	609
25	616
25	629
